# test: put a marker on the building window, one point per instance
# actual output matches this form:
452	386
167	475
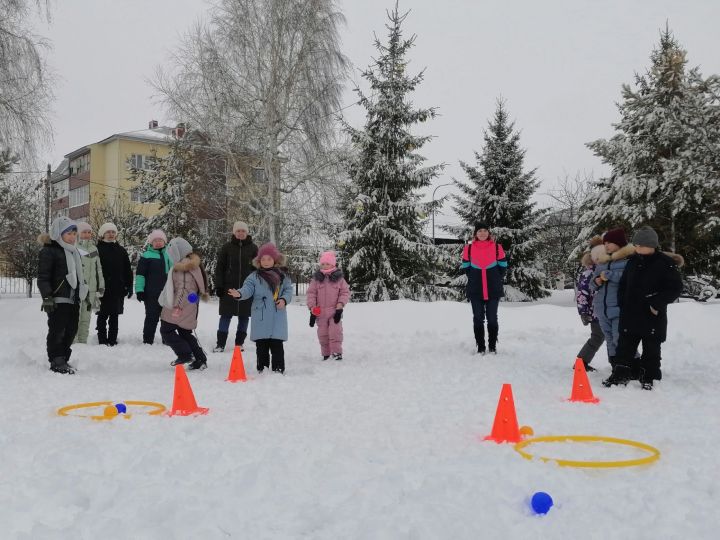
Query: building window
80	164
258	175
141	162
80	196
61	188
139	195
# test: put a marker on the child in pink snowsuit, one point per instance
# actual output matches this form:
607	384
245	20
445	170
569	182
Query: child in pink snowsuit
327	295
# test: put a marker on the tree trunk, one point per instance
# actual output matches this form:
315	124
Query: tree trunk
29	288
672	234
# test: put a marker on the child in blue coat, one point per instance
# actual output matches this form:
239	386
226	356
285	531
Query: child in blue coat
271	291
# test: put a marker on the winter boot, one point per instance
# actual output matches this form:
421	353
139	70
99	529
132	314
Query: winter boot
493	338
337	356
646	381
59	365
199	364
102	336
588	367
325	357
221	340
620	375
240	339
480	338
185	360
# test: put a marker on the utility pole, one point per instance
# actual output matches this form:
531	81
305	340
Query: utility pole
47	198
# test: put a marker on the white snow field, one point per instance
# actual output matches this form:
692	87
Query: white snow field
386	444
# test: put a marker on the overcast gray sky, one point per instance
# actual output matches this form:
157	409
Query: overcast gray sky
559	65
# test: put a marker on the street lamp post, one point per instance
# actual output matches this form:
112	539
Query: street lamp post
433	209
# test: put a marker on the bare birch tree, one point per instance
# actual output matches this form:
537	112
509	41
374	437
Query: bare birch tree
263	77
25	83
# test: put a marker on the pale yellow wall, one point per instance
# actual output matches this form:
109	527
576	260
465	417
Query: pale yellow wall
125	150
97	173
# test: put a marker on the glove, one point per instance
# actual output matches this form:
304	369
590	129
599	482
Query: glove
313	318
140	296
337	316
129	293
48	305
586	319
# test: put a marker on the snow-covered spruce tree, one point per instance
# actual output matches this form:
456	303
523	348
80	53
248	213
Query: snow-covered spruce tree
498	193
664	159
189	187
382	245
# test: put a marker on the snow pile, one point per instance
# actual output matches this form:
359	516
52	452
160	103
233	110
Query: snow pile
385	444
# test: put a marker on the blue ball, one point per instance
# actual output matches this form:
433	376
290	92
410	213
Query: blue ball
193	298
541	502
121	408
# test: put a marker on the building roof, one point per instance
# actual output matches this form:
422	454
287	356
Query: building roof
61	172
161	134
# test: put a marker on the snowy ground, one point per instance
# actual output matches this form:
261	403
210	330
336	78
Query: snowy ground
385	444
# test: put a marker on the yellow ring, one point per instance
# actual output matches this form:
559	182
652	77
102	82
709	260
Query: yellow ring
654	452
158	408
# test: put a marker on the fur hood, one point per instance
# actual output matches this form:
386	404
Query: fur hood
44	239
188	264
679	259
595	241
622	253
281	263
335	275
191	262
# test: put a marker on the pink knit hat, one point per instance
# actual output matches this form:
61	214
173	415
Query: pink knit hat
269	249
328	257
82	226
156	234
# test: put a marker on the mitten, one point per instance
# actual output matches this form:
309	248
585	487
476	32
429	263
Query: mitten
48	305
140	296
313	318
338	315
586	319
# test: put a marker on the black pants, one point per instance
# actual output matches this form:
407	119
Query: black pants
264	348
485	309
152	316
107	327
648	365
182	341
62	327
594	342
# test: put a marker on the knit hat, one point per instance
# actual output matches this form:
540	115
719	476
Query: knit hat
240	226
271	250
61	225
82	226
328	257
646	237
178	249
105	227
479	226
155	235
616	236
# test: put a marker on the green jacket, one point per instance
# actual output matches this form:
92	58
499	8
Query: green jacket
152	271
92	270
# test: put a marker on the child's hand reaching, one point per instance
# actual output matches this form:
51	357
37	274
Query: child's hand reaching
234	293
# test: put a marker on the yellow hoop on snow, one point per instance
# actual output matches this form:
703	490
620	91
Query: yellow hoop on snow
654	452
110	412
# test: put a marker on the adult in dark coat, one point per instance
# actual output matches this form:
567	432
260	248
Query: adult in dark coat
650	282
118	284
234	264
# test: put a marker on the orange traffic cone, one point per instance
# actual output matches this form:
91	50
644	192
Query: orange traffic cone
237	367
581	390
505	428
184	403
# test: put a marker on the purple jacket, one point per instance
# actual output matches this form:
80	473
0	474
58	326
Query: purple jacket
328	291
584	294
